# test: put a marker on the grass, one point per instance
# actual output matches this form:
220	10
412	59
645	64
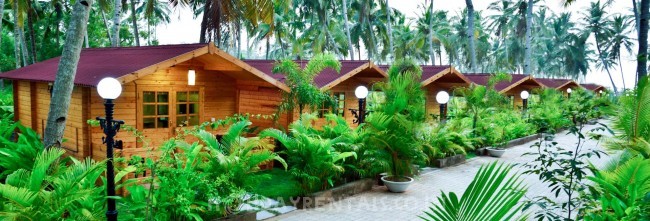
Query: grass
280	185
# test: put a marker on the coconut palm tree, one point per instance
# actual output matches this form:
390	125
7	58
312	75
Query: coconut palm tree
347	28
529	36
115	28
64	81
470	35
620	40
596	22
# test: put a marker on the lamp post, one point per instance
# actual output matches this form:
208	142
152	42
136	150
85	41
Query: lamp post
361	92
524	97
568	92
600	93
442	98
109	89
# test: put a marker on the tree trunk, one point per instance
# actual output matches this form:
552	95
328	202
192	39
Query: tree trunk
529	36
134	20
108	33
64	82
470	34
86	39
16	41
433	54
390	31
602	59
204	22
268	47
635	9
642	69
620	66
30	30
23	48
117	10
347	28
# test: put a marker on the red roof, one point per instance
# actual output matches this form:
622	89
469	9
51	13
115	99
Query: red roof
98	63
428	71
482	79
325	77
592	87
553	83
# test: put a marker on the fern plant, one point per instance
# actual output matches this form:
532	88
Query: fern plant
493	194
623	193
313	160
442	141
205	179
19	154
632	121
55	189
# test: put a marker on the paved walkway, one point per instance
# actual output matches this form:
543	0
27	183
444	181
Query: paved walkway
379	204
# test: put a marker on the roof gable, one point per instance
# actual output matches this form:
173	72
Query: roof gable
504	86
328	78
432	74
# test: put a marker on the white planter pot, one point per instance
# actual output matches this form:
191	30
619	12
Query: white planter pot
496	152
397	187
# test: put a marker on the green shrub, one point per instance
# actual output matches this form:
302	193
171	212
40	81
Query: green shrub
443	140
312	160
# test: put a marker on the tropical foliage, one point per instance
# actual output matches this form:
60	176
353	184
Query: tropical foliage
494	194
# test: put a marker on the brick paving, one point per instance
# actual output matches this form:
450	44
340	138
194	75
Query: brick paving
379	204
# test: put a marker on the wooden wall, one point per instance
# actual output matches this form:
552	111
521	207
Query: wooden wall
258	97
348	87
33	106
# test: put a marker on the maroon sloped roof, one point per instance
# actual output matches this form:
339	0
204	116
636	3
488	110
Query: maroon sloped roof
428	71
552	83
325	77
591	87
482	79
98	63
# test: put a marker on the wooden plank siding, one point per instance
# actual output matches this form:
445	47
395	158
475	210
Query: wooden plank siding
32	107
257	97
351	101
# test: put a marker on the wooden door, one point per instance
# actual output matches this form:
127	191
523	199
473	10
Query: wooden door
163	110
155	115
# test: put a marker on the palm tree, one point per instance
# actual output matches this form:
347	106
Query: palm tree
433	54
134	22
115	32
620	40
529	36
501	23
64	81
390	29
597	23
470	35
642	55
347	28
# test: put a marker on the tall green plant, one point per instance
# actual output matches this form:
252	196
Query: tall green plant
20	153
397	120
303	92
493	194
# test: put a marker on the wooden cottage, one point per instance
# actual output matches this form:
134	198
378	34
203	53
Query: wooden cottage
559	84
595	88
511	89
341	85
440	78
157	98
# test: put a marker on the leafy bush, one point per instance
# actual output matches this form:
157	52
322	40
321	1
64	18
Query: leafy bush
547	114
312	160
205	179
20	153
623	193
443	140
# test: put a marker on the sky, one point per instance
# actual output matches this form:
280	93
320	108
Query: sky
183	28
